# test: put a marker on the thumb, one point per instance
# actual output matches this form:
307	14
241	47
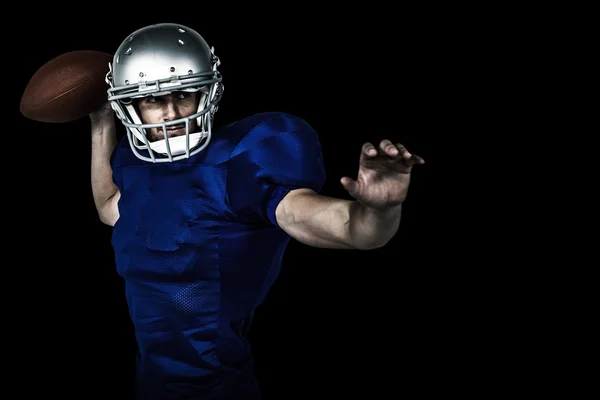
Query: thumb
350	185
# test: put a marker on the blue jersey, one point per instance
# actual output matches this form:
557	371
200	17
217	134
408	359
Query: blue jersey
198	246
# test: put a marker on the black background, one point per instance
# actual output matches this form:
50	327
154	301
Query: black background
336	322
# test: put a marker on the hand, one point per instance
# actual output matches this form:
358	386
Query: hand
383	175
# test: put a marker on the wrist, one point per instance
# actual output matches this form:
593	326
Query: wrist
382	212
372	227
102	124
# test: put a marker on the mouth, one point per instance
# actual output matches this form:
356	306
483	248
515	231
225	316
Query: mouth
177	130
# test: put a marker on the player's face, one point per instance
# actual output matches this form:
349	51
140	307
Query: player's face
155	110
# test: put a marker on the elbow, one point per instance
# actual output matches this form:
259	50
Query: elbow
107	220
108	215
108	212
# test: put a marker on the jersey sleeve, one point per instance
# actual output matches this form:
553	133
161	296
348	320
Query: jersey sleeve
280	154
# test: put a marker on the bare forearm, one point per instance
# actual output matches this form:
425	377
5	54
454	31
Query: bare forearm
322	221
104	141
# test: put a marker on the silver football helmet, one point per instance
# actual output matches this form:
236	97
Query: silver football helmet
157	60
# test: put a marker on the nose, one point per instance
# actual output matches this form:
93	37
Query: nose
170	111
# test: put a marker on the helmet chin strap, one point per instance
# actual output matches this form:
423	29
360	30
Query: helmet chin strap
177	145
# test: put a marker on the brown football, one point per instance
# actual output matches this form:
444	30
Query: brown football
68	87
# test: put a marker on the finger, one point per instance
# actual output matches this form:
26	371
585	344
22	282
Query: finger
369	150
350	185
403	152
417	159
413	161
388	148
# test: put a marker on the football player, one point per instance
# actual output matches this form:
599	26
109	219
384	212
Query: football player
201	218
